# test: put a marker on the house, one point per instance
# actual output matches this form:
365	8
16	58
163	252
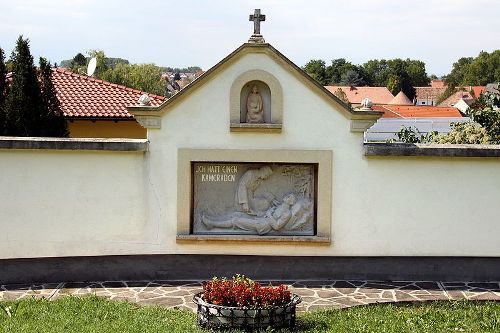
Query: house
97	108
429	95
378	95
468	94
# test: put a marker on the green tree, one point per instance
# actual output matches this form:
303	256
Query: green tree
478	71
317	70
102	62
54	124
3	90
377	72
457	74
24	106
32	108
78	63
145	77
484	69
337	71
394	84
399	78
351	78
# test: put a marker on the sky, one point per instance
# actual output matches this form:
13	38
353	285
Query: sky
185	33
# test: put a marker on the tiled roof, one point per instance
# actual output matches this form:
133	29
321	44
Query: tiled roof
86	97
466	95
400	99
378	95
428	93
438	84
414	111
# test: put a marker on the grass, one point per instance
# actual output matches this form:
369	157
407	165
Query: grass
93	314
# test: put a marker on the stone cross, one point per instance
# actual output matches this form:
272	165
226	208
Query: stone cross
257	17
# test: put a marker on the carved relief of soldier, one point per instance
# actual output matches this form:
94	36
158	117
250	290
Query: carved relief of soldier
276	200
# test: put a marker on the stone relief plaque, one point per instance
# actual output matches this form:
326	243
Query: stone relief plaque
253	198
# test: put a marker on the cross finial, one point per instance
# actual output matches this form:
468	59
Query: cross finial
257	17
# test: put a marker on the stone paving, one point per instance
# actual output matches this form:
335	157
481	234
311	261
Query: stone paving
315	294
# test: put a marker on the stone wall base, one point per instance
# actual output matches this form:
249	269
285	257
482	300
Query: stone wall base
201	267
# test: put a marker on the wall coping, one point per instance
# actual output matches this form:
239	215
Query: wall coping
14	142
437	150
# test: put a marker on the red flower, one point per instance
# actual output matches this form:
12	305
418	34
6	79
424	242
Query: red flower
243	292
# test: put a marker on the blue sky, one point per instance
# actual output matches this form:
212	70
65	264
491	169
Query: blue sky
187	32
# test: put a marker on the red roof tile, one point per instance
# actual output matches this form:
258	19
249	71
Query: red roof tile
84	96
378	95
400	99
469	93
414	111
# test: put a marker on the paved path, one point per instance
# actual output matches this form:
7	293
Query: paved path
315	294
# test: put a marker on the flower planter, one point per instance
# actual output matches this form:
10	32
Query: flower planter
216	316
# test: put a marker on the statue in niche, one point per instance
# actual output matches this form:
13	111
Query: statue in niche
290	214
246	187
255	107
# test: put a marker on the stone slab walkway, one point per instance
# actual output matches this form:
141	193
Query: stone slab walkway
315	294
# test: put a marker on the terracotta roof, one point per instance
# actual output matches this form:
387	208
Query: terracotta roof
378	95
465	94
428	93
86	97
438	84
400	99
414	111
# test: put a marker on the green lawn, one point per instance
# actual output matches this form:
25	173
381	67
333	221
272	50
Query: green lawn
92	314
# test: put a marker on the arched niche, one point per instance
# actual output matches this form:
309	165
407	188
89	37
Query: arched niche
265	94
272	97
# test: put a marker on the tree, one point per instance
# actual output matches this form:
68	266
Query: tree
145	77
457	74
3	90
54	124
317	70
351	78
24	102
78	63
478	71
102	63
377	72
340	67
32	108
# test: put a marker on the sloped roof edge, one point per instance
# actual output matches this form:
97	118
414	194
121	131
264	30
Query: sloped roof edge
148	110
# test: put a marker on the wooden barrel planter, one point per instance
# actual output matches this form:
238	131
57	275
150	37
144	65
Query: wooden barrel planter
225	317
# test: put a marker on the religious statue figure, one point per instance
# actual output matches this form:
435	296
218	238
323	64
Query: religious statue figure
255	107
248	184
275	218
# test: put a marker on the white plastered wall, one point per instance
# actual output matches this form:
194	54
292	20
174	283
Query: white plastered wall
57	203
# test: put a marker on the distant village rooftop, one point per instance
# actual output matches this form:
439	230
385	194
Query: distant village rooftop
355	95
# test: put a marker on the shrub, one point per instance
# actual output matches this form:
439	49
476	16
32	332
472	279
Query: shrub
464	133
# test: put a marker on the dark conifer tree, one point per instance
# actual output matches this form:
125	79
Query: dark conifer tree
24	105
3	90
54	122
